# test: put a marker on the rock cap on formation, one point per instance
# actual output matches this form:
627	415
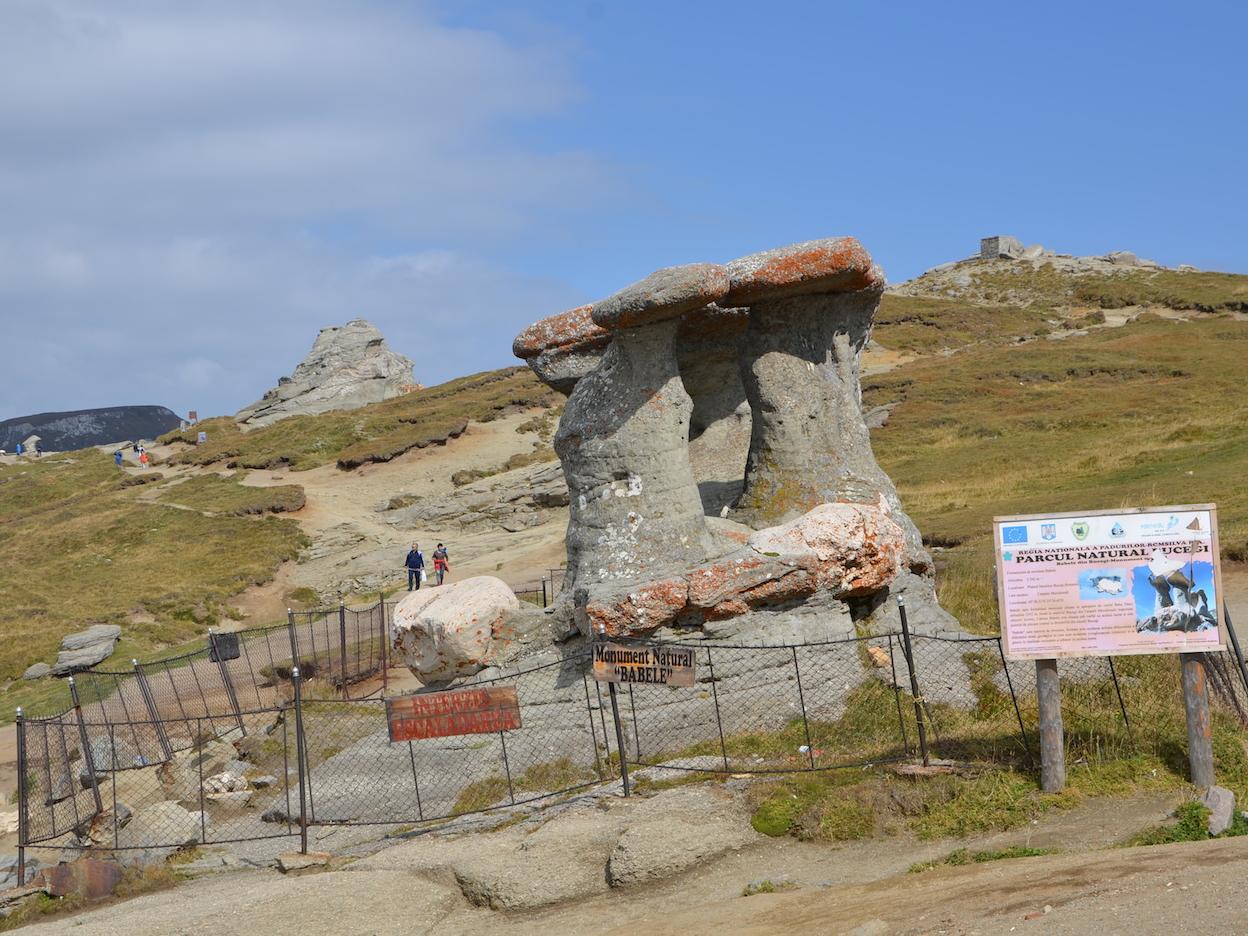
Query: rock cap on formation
566	331
665	294
833	264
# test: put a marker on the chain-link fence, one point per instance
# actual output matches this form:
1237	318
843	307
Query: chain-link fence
228	744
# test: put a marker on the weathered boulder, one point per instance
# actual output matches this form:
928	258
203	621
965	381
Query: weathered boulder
443	633
37	671
1221	805
348	367
623	438
162	824
686	828
563	348
85	648
841	551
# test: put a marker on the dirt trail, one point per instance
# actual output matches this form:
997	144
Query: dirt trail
860	888
350	536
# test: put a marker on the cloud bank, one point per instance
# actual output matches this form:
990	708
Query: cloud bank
192	190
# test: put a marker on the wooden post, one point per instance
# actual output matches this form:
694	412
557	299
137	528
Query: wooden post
1199	728
1052	744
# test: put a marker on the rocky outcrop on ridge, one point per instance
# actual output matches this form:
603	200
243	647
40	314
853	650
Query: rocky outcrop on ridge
76	429
348	367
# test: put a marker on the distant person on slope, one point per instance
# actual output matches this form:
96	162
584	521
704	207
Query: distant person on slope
117	456
441	562
415	566
143	458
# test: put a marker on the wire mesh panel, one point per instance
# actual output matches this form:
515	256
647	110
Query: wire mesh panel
356	774
58	790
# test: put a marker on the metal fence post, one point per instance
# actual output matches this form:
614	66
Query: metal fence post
342	647
22	794
88	757
908	650
300	764
149	702
227	683
385	644
593	732
801	700
544	599
901	721
294	644
1017	711
1122	707
619	736
719	722
1239	656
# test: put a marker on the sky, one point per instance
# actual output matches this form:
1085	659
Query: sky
190	191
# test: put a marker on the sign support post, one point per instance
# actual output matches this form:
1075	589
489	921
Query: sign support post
1199	728
619	736
1052	743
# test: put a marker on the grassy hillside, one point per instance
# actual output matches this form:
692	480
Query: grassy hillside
1151	413
78	546
373	433
1045	286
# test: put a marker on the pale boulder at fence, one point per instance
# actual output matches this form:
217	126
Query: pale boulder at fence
453	630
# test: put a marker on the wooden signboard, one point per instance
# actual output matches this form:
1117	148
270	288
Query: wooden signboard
651	664
454	712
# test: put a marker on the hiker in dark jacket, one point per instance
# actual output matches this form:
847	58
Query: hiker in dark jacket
415	566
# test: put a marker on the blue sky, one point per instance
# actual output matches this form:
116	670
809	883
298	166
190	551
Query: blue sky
191	190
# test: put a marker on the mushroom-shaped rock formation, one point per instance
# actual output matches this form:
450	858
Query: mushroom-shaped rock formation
563	348
623	438
811	308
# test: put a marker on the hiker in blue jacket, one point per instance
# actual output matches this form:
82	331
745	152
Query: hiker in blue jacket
415	566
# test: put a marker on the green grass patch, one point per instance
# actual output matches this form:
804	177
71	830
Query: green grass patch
77	547
225	494
546	777
374	433
963	856
925	325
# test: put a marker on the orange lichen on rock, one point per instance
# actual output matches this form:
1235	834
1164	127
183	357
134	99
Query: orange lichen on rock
641	611
565	331
836	264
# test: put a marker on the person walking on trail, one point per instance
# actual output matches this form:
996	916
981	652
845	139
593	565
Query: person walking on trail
144	458
117	456
415	566
441	562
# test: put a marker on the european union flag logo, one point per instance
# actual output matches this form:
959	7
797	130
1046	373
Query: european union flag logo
1014	534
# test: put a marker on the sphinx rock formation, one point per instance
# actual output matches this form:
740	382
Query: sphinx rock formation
348	367
718	463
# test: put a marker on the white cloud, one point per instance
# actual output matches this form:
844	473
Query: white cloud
192	190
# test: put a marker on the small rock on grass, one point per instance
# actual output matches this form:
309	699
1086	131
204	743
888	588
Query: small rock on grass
1221	805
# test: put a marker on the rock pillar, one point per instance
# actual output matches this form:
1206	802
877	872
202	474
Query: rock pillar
623	438
811	309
